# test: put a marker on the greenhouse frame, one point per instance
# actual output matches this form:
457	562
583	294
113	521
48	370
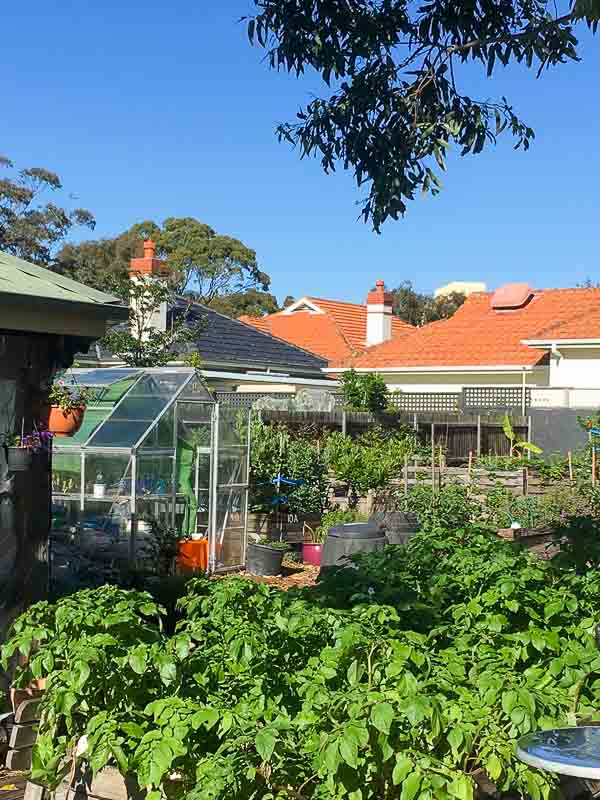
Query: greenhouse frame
155	458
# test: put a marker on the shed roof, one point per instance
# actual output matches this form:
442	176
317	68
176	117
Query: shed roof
19	278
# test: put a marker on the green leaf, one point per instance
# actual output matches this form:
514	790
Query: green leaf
349	751
410	786
455	739
461	787
493	767
137	659
332	757
265	743
381	716
402	768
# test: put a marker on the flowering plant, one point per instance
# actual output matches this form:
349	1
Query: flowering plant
36	441
69	397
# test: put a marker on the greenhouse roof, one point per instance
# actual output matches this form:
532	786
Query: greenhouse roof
123	418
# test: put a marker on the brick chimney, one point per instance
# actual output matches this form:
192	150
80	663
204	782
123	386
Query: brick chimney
379	315
150	268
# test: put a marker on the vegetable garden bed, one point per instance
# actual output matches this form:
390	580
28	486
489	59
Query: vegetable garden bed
409	677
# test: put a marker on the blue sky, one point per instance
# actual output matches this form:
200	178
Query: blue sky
149	110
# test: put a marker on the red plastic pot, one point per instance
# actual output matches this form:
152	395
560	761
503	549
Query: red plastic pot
65	423
311	553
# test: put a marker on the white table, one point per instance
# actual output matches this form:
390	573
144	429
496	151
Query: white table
565	751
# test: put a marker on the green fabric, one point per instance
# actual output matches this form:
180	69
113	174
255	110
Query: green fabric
185	453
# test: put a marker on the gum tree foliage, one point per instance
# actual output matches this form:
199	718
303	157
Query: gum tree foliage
394	72
31	228
418	308
203	264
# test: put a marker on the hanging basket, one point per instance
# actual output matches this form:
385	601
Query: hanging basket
19	459
65	423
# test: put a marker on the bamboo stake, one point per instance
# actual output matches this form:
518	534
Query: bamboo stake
405	475
570	458
470	473
593	464
433	456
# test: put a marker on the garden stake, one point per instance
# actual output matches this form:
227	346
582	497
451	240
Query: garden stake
405	475
570	465
470	473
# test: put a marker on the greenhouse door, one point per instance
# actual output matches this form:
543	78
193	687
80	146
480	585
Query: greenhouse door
229	488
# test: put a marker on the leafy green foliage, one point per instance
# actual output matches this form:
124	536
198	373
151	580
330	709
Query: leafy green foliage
333	518
251	302
518	446
201	262
140	343
29	229
449	507
364	392
394	70
419	309
399	678
275	452
370	461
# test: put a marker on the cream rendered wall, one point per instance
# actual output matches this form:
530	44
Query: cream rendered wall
454	381
576	368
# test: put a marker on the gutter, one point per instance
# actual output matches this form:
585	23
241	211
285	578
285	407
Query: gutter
106	311
512	368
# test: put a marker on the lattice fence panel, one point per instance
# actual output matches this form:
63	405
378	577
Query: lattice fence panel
445	402
247	399
494	397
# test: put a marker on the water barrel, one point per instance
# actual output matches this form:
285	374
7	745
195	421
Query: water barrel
345	540
399	526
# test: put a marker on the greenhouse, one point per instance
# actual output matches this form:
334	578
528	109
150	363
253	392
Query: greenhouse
156	459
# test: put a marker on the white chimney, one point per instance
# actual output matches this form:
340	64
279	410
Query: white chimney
143	270
379	315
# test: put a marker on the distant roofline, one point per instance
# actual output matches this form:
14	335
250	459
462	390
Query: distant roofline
466	368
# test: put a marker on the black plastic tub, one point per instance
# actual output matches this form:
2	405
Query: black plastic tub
264	560
19	459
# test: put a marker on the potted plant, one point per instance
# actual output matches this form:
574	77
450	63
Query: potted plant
67	408
265	557
312	547
19	453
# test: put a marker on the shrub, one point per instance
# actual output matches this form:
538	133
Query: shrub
366	392
447	508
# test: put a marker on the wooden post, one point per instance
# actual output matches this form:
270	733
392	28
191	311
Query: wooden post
470	472
343	422
442	467
433	456
525	481
478	434
405	475
570	458
593	464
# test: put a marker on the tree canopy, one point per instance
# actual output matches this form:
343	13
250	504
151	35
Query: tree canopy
394	69
203	264
418	308
29	227
252	302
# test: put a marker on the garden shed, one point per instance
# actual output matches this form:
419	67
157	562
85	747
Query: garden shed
155	458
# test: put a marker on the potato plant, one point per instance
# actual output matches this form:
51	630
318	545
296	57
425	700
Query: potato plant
403	678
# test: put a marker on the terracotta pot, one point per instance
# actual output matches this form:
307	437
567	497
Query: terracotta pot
65	423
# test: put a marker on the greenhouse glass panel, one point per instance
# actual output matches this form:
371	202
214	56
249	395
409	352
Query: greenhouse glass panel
141	407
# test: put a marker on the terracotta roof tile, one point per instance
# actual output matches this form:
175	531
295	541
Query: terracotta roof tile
478	335
336	334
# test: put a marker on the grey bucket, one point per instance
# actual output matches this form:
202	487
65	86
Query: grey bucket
264	560
399	526
346	540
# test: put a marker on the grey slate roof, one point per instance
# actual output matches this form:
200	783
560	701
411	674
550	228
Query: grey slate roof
230	342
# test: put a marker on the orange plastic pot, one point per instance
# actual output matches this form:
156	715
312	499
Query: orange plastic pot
65	423
192	554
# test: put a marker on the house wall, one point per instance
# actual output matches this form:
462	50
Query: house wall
576	368
455	381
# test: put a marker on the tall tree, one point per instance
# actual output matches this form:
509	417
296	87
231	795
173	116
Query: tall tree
252	302
203	264
396	68
418	309
29	227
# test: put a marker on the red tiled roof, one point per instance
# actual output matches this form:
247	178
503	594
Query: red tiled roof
478	335
336	334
